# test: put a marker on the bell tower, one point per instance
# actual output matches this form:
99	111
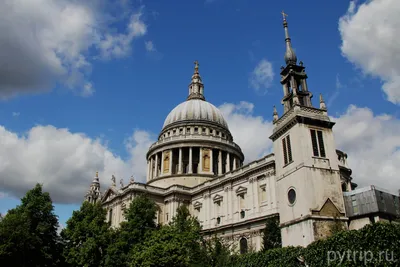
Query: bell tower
309	191
93	195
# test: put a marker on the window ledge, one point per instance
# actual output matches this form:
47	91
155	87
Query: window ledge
288	164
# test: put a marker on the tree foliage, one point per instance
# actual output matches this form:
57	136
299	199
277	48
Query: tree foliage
272	234
28	233
373	245
140	221
86	236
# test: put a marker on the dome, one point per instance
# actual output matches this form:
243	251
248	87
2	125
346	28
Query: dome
195	109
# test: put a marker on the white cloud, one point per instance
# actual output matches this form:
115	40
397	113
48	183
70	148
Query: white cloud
45	42
150	46
370	40
138	145
262	75
373	145
64	162
250	132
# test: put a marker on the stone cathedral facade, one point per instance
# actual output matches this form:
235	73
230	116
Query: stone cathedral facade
196	162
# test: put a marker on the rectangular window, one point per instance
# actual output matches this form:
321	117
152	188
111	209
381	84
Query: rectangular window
287	150
317	141
110	213
262	193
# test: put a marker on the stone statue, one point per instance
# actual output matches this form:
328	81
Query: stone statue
132	180
121	182
113	180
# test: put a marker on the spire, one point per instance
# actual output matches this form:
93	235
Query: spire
275	115
290	56
196	87
321	103
93	194
96	179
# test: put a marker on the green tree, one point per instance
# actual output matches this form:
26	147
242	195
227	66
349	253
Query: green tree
28	233
86	236
177	244
217	252
272	234
163	248
140	221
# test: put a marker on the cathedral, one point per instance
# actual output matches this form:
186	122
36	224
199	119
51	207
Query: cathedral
306	181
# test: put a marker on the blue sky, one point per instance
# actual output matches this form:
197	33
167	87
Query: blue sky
111	84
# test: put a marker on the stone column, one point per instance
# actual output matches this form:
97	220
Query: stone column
200	167
219	162
170	162
190	160
156	167
162	163
151	169
180	161
228	163
211	161
234	163
148	170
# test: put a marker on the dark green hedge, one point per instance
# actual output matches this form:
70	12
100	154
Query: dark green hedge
373	245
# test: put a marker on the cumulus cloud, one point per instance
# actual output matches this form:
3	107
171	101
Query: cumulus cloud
250	132
64	162
262	75
372	142
138	145
370	40
45	42
150	47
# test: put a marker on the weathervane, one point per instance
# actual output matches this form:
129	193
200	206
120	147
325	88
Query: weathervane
284	15
196	66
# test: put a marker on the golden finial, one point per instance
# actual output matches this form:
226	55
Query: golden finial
196	67
284	15
97	174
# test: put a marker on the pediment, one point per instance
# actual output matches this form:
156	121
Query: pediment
197	205
217	198
241	190
109	194
328	209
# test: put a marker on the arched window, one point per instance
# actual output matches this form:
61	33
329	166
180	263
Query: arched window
243	245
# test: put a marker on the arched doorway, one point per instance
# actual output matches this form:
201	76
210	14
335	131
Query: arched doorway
243	245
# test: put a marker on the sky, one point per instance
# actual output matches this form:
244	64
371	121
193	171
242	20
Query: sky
86	85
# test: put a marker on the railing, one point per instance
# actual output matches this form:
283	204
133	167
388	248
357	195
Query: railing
193	137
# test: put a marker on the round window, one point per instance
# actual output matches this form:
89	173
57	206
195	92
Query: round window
292	196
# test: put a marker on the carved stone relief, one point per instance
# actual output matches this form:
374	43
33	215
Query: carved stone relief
166	162
206	160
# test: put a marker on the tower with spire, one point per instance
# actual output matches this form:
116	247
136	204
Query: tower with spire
196	86
308	183
93	195
293	77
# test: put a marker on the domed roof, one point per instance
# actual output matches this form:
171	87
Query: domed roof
196	109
